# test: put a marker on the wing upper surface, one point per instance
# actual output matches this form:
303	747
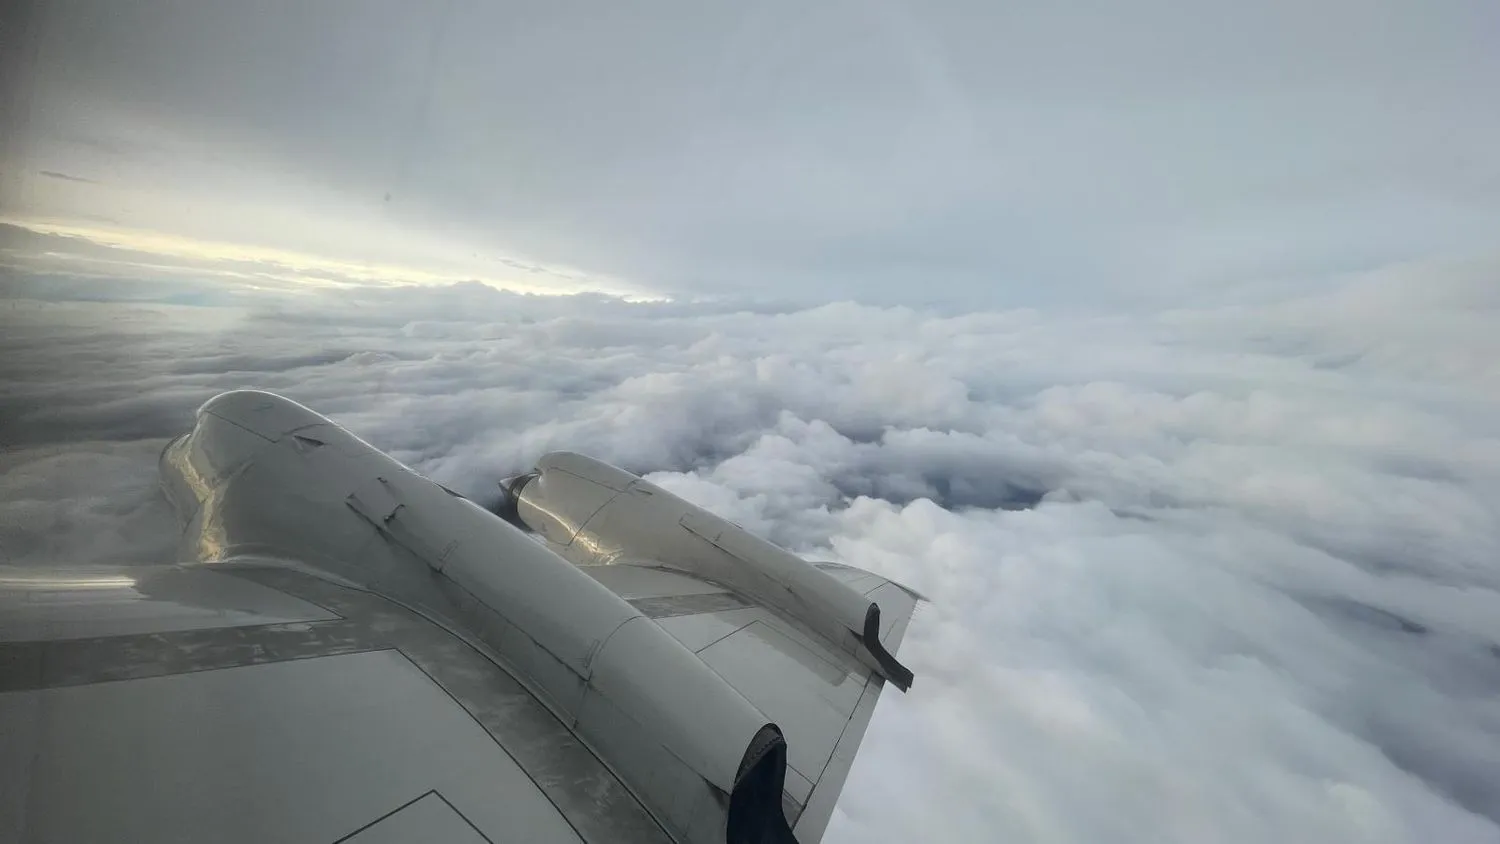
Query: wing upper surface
820	696
258	702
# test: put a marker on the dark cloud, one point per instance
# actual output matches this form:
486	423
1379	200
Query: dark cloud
258	364
118	420
1188	582
66	177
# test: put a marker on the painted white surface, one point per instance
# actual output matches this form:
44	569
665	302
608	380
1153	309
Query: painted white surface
429	821
307	750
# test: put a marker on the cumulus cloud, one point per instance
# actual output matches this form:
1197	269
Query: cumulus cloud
1195	575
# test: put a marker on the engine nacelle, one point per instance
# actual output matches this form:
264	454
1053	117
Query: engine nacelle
262	477
596	514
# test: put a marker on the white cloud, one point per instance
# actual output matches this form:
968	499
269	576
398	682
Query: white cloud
1220	575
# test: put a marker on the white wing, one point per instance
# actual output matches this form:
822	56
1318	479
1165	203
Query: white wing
819	697
256	701
809	645
356	654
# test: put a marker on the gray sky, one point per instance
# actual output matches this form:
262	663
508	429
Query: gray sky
884	151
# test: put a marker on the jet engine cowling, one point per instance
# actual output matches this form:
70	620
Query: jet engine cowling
595	514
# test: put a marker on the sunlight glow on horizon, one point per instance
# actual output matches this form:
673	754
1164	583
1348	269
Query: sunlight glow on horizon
314	270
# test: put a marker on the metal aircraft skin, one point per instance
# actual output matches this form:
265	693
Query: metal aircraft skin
345	651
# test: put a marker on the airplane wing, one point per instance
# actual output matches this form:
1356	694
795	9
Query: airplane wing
810	645
255	701
821	699
356	654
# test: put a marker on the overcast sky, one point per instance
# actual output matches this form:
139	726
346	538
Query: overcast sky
879	150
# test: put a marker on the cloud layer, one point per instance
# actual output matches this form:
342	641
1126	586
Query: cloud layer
1197	575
